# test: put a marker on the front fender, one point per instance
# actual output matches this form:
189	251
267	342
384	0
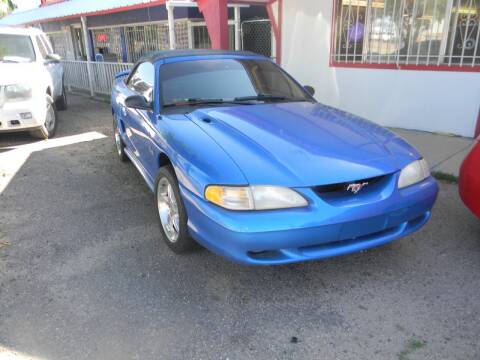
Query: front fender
42	83
46	82
197	159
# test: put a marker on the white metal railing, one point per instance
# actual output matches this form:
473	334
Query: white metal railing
103	74
76	74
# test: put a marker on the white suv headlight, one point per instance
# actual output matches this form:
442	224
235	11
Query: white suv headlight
18	92
414	173
258	197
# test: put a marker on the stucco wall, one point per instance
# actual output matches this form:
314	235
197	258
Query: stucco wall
424	100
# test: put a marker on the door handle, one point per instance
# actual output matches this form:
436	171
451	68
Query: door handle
124	111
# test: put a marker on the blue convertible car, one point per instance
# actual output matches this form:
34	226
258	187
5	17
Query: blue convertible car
243	160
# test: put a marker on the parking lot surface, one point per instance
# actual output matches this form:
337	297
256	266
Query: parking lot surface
85	275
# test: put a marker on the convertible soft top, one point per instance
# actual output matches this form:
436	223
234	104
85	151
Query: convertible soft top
168	54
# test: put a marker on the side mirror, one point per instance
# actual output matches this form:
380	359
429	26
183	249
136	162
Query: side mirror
310	89
138	102
53	58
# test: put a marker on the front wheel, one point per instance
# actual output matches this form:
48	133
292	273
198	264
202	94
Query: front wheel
171	212
49	128
62	103
119	145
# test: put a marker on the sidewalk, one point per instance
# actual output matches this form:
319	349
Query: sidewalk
444	153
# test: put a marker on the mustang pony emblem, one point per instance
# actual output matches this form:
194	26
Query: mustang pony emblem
356	187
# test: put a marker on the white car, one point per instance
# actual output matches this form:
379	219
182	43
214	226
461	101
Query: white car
31	82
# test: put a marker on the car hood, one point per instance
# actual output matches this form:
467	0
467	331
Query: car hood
14	73
303	144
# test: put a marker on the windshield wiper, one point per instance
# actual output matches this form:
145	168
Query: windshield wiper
267	97
199	101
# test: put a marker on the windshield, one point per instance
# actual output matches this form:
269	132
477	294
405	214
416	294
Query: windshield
16	48
227	79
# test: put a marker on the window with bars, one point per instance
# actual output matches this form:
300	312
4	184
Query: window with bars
59	43
144	39
257	36
407	32
107	43
201	39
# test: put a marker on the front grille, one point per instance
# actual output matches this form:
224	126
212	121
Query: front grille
368	190
344	187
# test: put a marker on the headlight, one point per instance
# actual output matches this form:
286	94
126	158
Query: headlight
414	173
18	92
259	197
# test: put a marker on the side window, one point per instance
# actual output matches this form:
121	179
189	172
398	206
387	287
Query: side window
142	80
41	47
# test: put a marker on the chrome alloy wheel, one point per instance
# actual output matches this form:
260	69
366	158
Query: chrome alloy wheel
168	209
118	140
50	119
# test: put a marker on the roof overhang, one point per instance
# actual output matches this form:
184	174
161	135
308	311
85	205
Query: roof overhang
72	9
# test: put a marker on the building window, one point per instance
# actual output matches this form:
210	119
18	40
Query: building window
107	44
407	33
144	39
78	45
257	36
59	43
201	39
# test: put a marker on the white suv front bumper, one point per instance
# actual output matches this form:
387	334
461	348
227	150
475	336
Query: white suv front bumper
21	115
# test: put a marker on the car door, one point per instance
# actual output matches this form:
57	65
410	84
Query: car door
54	68
141	123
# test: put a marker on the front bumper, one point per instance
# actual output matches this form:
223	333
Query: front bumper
21	115
318	231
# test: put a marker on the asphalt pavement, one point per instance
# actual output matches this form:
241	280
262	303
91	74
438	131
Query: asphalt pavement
84	273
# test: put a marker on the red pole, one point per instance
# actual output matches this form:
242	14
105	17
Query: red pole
276	26
215	13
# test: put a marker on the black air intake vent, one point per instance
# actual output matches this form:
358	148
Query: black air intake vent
357	192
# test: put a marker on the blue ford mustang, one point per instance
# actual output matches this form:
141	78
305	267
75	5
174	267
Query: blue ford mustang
243	160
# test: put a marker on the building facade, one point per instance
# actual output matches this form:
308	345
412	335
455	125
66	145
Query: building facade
411	64
402	63
126	36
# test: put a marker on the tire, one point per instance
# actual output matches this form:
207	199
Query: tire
119	144
49	128
175	236
62	103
